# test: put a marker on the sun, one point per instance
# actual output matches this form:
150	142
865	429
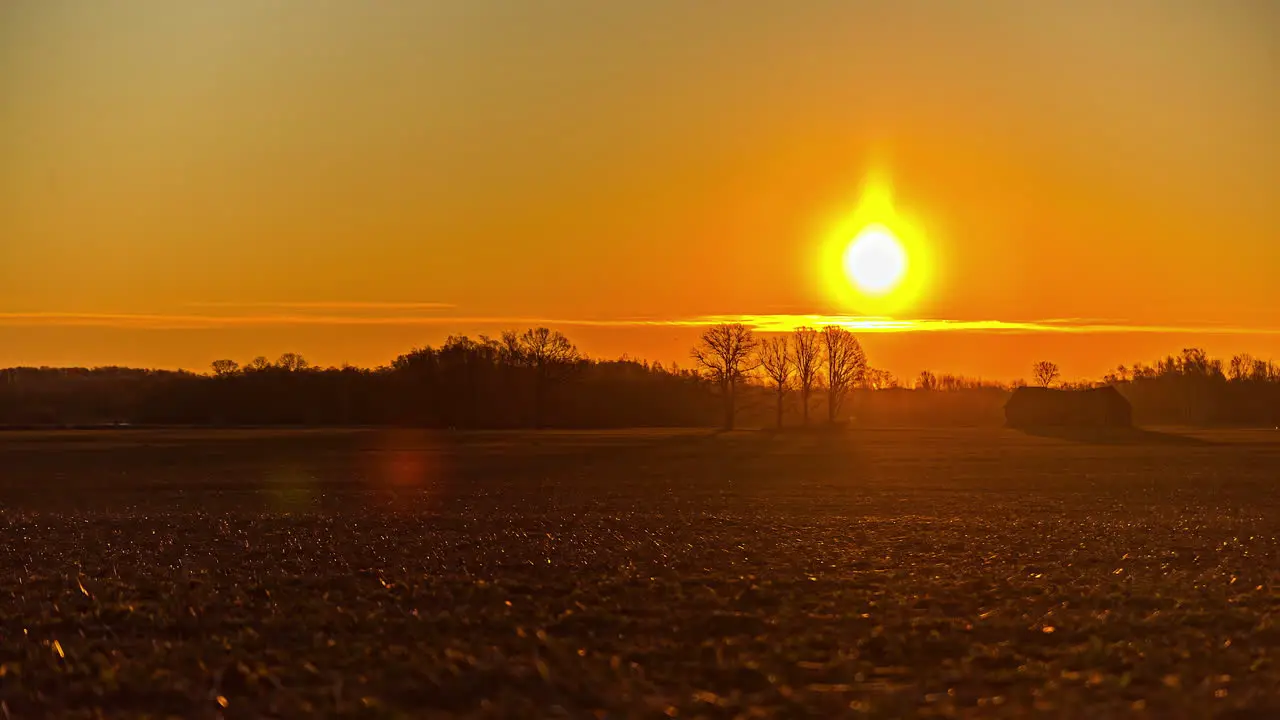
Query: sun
875	260
875	257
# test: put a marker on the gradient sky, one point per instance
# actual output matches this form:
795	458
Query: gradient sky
182	181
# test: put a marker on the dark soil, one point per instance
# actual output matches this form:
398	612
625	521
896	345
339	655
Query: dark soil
975	573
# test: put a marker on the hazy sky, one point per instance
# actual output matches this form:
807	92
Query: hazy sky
308	172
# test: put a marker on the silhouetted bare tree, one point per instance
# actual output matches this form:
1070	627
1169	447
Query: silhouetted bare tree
511	351
1119	376
542	347
775	360
927	381
1196	362
724	354
877	379
846	365
223	368
260	364
807	359
1241	367
549	354
292	362
1045	373
1265	371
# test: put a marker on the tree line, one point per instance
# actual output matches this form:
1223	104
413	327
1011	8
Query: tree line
539	378
1191	388
533	378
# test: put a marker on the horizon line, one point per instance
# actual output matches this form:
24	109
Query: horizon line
764	323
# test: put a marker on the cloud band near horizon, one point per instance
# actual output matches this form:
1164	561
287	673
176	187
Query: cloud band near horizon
768	323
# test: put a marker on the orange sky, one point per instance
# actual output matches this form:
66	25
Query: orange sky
186	181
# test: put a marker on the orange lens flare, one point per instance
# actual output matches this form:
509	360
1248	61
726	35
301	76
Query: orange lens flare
406	466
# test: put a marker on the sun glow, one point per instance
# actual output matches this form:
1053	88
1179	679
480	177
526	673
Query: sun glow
874	259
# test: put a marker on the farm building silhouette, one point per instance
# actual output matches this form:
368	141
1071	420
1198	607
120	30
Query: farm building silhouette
1031	407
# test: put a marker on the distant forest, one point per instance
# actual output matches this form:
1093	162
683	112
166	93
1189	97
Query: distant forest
538	378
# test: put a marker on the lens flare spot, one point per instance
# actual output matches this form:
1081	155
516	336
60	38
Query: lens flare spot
406	466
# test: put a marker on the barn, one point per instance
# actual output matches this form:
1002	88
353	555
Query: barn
1031	407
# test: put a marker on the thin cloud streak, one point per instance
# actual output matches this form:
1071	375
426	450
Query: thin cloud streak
147	321
761	323
787	323
327	305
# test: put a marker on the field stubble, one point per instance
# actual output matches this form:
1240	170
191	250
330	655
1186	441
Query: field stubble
883	573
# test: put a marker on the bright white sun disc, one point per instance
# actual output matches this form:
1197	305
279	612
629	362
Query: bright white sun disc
875	261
